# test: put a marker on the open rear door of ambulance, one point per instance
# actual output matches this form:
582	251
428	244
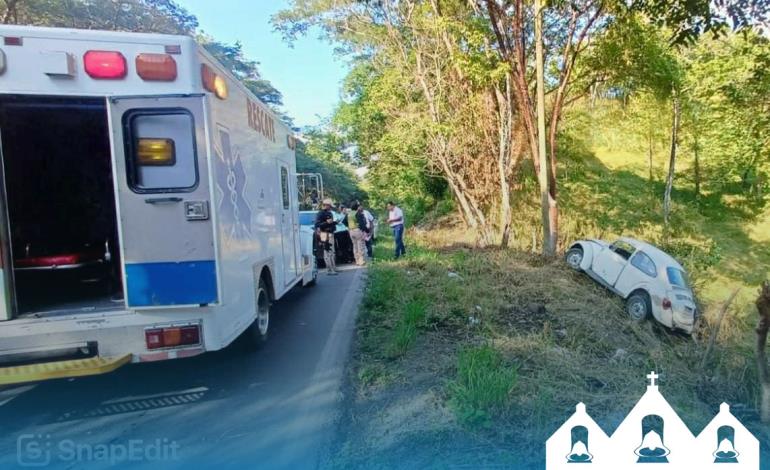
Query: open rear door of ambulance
162	186
6	263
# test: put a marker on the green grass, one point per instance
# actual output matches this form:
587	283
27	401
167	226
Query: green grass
411	319
515	341
483	384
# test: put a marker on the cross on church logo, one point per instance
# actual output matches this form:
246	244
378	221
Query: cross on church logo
231	184
653	433
652	376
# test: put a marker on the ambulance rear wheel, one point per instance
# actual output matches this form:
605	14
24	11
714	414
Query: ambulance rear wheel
257	332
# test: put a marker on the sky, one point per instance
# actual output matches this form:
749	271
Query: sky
308	75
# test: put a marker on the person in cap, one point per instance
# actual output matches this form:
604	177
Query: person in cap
325	226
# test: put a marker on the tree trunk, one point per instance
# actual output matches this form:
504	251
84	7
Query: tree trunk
505	208
697	167
649	155
671	161
505	130
763	308
545	203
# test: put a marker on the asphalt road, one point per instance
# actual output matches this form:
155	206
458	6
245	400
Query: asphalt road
274	408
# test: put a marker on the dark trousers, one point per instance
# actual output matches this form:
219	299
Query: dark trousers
398	235
369	247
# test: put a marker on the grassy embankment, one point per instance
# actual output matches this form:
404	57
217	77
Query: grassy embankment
478	355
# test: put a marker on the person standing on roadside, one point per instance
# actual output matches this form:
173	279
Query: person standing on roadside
370	233
356	222
396	221
325	226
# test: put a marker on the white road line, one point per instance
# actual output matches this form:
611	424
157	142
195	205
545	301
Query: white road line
7	395
157	395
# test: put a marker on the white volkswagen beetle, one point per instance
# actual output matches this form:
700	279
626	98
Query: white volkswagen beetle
651	281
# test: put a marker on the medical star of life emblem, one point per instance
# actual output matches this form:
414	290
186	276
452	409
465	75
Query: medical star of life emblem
231	184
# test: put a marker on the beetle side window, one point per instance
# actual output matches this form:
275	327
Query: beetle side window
623	249
645	264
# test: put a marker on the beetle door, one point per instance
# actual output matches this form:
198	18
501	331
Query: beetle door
611	261
163	194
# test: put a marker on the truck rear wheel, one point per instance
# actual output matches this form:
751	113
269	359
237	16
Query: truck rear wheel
256	334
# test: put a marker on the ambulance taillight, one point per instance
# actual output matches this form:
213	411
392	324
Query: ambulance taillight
105	65
156	67
172	336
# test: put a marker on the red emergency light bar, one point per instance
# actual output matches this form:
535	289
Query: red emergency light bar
172	336
105	65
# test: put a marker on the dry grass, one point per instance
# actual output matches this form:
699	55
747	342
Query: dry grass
561	339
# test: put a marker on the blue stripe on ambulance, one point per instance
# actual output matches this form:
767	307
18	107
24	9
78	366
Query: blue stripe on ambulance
174	283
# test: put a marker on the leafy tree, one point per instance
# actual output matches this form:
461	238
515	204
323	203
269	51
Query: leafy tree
729	80
244	69
150	16
144	16
458	75
326	152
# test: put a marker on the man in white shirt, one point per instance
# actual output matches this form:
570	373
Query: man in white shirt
370	234
396	221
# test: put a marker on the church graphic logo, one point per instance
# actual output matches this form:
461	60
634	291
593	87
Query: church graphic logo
652	433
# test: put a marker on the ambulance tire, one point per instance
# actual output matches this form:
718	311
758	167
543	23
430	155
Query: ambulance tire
257	332
312	282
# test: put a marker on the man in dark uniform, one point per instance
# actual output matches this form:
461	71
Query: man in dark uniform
325	226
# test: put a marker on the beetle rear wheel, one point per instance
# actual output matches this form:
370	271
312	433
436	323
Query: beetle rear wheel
638	306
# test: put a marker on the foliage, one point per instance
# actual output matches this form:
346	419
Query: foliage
324	152
444	89
143	16
148	16
689	19
482	385
244	69
729	83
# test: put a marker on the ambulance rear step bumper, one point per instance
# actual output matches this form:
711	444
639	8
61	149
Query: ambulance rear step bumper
61	369
22	356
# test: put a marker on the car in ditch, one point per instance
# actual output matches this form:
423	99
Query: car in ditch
652	282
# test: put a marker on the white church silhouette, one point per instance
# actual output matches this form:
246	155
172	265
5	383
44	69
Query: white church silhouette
652	433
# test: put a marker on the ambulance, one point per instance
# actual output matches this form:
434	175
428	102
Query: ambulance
148	203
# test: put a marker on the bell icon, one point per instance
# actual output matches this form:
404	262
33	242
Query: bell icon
579	452
652	449
726	452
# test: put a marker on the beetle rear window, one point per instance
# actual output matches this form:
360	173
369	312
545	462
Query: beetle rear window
677	278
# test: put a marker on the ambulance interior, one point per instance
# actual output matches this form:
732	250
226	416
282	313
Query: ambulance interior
60	205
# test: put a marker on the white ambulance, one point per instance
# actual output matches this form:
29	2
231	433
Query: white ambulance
148	203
